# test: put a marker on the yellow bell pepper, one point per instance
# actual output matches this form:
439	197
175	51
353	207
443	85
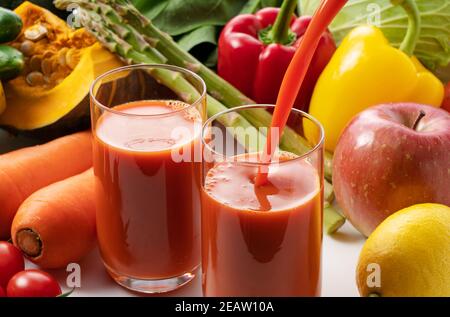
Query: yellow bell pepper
365	71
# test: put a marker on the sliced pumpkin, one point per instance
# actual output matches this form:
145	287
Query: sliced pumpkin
60	65
2	99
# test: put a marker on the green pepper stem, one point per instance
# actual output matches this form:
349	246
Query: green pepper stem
280	30
414	25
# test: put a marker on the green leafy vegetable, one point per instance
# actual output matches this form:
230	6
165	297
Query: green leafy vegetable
196	24
251	6
443	73
204	34
271	3
433	47
254	5
202	43
180	16
150	8
212	59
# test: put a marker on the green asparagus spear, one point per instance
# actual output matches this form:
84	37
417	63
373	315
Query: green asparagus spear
332	219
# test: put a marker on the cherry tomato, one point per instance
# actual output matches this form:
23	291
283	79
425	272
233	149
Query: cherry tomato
2	292
33	283
11	262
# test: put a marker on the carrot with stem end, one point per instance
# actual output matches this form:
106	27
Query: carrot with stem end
294	77
55	226
24	171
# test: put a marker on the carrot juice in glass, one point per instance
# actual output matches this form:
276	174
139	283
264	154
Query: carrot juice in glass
261	240
146	123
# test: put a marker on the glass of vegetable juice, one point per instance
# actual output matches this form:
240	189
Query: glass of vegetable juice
146	124
261	240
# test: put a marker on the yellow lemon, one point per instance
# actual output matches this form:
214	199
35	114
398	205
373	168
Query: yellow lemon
2	99
408	254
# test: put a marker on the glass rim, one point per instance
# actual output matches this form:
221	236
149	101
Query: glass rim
144	66
313	149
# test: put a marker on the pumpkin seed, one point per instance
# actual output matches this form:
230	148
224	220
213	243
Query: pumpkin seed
55	63
62	56
71	58
47	54
47	67
54	77
27	48
44	42
35	78
26	67
36	32
35	63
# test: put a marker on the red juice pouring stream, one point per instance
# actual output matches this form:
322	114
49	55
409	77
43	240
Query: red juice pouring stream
294	77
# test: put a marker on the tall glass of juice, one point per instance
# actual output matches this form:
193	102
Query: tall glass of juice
146	124
261	240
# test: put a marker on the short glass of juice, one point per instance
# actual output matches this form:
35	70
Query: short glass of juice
146	125
262	240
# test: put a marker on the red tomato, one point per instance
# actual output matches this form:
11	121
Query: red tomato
446	103
11	262
33	283
2	292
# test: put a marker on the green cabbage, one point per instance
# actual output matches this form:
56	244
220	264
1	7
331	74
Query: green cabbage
433	47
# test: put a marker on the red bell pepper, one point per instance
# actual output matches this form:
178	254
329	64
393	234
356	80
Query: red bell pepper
255	52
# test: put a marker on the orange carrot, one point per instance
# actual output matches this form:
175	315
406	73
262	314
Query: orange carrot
24	171
55	226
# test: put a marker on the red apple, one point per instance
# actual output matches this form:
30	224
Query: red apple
390	157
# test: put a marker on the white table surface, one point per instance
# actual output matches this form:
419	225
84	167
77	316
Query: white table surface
340	255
